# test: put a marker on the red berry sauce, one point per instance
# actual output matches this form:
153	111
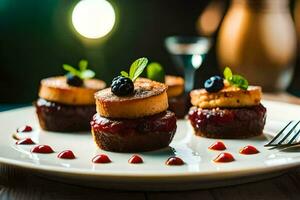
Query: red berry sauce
162	122
23	129
224	157
218	146
174	161
247	150
25	141
135	159
67	154
42	149
102	158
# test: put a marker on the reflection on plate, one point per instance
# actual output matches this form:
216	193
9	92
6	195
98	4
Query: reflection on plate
199	170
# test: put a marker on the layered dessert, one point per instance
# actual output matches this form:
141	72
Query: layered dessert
227	108
66	103
176	97
132	115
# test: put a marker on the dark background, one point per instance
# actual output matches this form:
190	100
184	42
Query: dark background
37	38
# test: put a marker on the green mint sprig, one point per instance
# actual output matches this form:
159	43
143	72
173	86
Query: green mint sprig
156	72
136	69
82	72
234	79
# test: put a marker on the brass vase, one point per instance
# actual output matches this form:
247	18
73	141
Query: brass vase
258	40
297	19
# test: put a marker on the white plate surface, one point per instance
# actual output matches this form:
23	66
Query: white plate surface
198	172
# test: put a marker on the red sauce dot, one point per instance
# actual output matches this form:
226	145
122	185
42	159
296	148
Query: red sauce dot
219	146
67	154
224	157
174	161
135	159
102	158
42	149
24	129
25	141
249	150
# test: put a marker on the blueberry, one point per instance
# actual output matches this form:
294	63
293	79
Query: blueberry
122	86
214	84
74	80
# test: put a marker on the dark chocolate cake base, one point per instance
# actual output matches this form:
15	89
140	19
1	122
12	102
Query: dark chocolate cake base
228	123
64	118
134	135
178	106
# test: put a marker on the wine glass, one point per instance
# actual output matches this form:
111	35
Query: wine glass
188	53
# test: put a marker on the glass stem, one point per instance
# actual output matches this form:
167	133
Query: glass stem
189	79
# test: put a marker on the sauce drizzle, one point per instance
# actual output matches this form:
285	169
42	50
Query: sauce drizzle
42	149
25	141
224	157
67	154
174	161
218	146
23	129
248	150
135	159
101	158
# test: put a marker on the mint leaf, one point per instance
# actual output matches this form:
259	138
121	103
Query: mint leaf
239	81
83	64
71	70
125	74
227	73
236	80
83	72
87	74
137	67
156	72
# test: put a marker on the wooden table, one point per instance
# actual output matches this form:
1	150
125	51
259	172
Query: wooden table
19	184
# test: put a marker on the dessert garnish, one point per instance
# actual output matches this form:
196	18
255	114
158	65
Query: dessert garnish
235	79
216	83
23	129
102	158
224	157
67	154
247	150
75	77
25	141
174	161
135	159
218	146
123	85
156	72
42	149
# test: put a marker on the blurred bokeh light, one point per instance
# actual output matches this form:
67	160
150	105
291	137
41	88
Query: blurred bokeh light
93	19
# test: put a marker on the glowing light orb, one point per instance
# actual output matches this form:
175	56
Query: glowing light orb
93	18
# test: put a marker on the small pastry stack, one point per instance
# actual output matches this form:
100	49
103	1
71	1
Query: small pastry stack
132	115
134	123
227	108
176	98
66	103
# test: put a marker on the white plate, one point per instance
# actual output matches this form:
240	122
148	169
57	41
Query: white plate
198	172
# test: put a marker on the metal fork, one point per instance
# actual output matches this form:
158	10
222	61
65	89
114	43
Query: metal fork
287	136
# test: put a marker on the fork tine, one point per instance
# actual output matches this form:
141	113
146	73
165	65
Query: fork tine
288	134
284	146
278	135
294	137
